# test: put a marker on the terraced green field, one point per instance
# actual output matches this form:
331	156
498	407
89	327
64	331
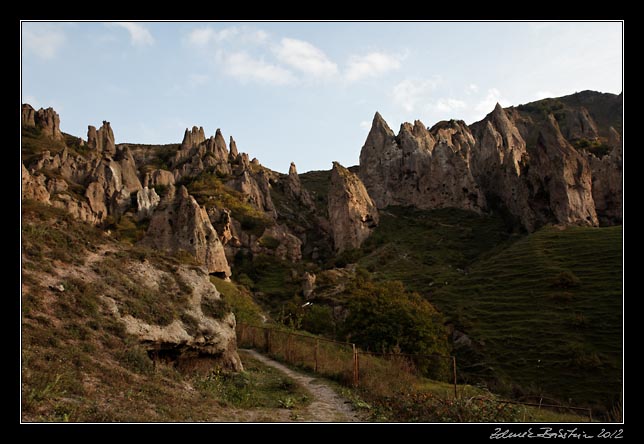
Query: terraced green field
543	311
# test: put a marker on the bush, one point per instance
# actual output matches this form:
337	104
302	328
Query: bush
136	359
318	319
565	279
214	308
384	317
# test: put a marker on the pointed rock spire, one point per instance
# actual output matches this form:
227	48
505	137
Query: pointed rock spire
233	148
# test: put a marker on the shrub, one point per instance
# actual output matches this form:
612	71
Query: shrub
269	242
565	279
214	308
136	359
384	317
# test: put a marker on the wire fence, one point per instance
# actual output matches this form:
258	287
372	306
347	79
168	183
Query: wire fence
342	361
345	363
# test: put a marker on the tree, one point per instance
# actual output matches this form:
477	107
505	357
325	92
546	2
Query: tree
383	316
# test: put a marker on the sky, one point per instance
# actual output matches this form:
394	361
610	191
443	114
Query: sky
303	92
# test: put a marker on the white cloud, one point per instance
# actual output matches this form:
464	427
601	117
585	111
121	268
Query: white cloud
305	57
488	103
473	87
246	68
43	42
365	124
409	93
371	65
206	36
197	79
448	105
139	34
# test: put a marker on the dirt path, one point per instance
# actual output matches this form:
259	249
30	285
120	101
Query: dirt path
327	406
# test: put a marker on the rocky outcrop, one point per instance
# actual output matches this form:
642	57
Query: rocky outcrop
146	202
204	337
546	181
607	181
424	168
579	124
256	187
308	284
28	117
34	187
158	178
519	162
288	247
564	177
352	213
499	165
233	149
47	120
179	223
294	188
193	138
102	141
112	184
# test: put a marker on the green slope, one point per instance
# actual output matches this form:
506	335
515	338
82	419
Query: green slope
549	312
544	311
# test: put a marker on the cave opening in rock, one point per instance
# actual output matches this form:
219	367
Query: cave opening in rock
219	274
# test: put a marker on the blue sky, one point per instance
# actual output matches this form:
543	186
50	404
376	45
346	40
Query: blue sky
303	91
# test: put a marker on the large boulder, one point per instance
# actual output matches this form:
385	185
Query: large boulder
204	338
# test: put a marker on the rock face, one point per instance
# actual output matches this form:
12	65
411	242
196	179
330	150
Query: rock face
208	338
33	187
352	213
102	140
544	182
607	181
180	223
520	161
28	115
146	201
424	168
193	138
294	187
47	120
308	284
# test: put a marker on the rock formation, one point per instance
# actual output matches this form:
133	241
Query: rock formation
520	161
207	338
294	187
102	140
180	223
352	213
233	149
34	187
194	138
308	284
607	181
146	202
47	120
28	115
426	169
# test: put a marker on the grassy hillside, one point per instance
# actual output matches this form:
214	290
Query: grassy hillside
79	363
543	310
549	312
